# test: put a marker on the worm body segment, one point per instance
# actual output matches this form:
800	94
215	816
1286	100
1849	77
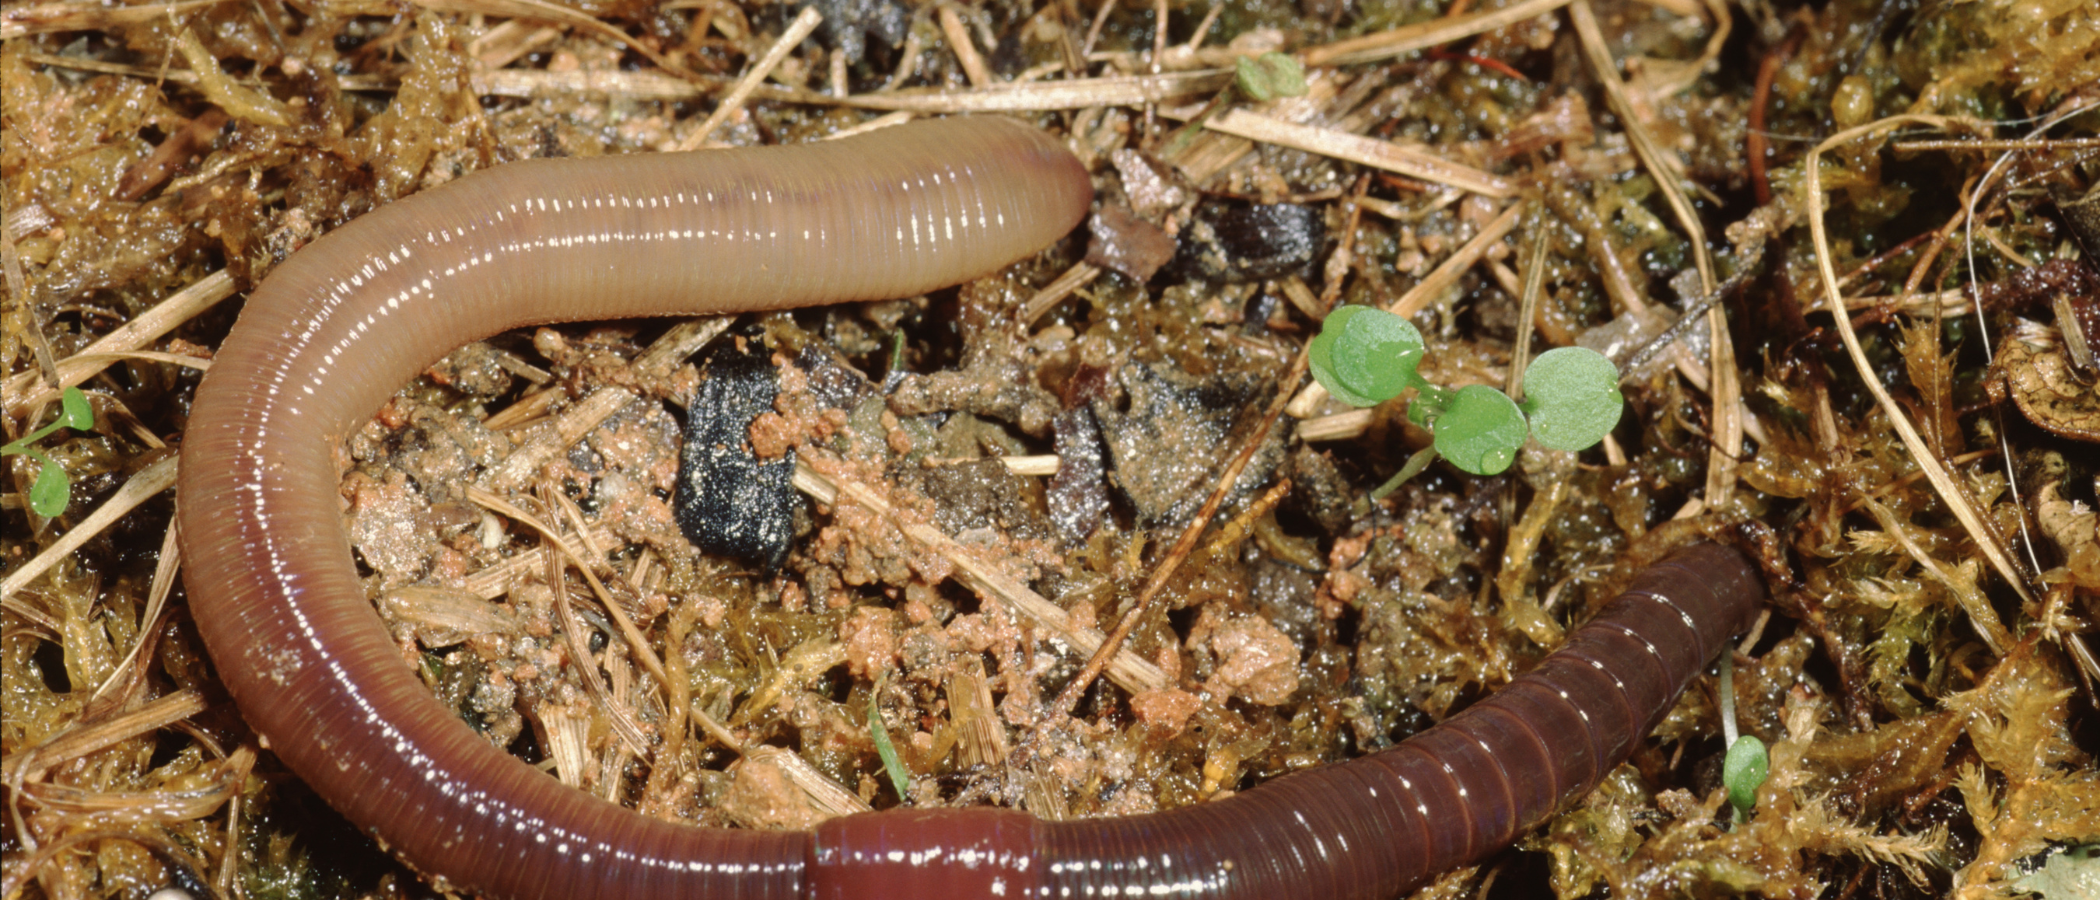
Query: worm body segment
341	324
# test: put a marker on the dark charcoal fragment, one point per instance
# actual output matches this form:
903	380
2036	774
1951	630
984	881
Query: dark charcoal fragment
1169	407
849	23
833	383
1246	242
1078	493
983	495
1319	490
2082	216
729	501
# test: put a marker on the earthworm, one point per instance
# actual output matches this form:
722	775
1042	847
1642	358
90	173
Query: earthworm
340	324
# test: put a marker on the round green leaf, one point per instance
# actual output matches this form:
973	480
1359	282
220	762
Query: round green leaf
1377	352
1319	357
1572	394
1743	771
76	412
1481	430
1365	356
51	492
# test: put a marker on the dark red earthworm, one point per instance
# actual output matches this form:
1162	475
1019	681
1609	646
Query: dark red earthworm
342	323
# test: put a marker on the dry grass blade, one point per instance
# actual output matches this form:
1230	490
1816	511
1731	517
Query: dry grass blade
102	360
1725	383
539	83
1447	272
148	482
965	50
574	423
819	790
1078	276
630	733
497	580
981	736
805	23
1943	483
885	120
540	10
1983	327
683	340
628	632
1131	672
165	567
27	390
1661	165
1391	156
72	744
1408	38
1963	591
1034	96
90	15
1527	311
574	636
2035	144
1341	426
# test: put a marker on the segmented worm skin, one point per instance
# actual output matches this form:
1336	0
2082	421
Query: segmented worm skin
340	325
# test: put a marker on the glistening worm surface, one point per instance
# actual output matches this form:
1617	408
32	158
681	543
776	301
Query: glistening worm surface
343	323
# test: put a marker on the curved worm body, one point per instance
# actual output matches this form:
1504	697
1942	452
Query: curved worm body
339	326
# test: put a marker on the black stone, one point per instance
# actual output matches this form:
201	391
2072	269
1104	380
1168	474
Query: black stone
1250	241
728	500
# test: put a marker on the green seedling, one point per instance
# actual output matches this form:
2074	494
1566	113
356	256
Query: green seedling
1256	78
891	762
53	491
1269	76
1365	356
1743	771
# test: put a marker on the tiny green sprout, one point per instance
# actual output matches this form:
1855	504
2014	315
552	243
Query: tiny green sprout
1365	356
891	762
52	491
1743	771
1269	76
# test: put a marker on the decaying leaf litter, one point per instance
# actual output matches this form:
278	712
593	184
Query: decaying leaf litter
1923	471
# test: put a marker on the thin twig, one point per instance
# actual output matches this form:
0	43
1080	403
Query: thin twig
965	50
1413	162
1126	669
1387	44
28	389
1942	483
1983	328
1155	587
